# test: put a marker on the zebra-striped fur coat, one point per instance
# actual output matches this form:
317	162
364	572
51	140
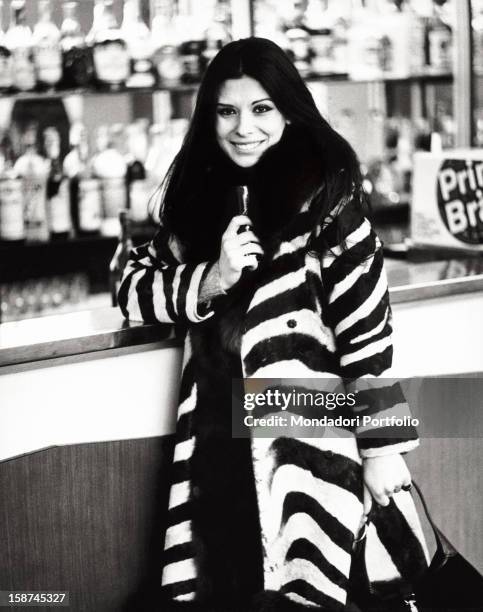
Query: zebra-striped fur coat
317	313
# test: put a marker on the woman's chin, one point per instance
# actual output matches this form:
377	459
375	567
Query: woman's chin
245	161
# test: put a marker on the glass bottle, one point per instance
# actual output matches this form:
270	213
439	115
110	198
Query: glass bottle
18	40
320	26
33	170
138	187
166	41
58	202
477	25
109	49
6	77
216	35
439	42
77	66
191	48
46	48
85	189
12	228
121	255
139	44
109	165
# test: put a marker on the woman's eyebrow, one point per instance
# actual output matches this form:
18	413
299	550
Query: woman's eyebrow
252	103
262	100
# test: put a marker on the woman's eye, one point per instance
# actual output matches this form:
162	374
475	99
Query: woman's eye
225	112
262	108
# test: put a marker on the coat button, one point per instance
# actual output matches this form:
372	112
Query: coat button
196	492
292	323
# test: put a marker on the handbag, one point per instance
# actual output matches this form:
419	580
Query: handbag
450	584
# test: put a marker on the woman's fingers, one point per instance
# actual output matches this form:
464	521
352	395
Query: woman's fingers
367	501
235	224
251	262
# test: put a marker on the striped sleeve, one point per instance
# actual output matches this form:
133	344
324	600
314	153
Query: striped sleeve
357	301
157	287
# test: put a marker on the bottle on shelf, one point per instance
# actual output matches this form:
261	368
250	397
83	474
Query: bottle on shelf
109	49
439	41
319	24
298	39
58	202
340	14
166	57
121	255
369	49
138	186
18	40
139	44
33	170
12	228
191	48
77	66
217	35
109	165
6	76
46	48
477	32
85	188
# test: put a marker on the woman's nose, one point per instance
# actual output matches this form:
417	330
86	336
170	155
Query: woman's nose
245	124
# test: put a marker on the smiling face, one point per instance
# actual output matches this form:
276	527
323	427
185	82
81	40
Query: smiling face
247	121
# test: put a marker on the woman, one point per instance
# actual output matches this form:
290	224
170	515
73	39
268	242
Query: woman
294	288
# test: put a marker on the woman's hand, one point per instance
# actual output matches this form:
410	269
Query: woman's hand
383	476
238	251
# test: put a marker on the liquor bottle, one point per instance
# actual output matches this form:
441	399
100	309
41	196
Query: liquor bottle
109	165
46	49
58	202
6	77
121	255
138	186
33	170
18	40
217	34
85	189
140	46
477	27
77	66
166	41
109	49
439	42
319	24
298	39
191	48
12	228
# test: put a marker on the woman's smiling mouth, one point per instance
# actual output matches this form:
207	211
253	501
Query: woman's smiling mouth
247	146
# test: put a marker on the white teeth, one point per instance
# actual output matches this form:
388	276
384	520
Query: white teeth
248	146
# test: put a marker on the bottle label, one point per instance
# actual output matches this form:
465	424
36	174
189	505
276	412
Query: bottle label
6	77
440	49
58	209
34	190
139	193
111	62
11	210
113	196
23	69
89	205
48	63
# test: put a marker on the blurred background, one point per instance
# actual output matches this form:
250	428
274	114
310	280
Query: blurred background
96	97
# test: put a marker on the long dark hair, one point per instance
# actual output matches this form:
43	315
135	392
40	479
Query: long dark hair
329	165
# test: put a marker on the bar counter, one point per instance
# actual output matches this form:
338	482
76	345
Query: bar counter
78	333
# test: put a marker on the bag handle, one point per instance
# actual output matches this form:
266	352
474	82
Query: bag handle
443	545
444	548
